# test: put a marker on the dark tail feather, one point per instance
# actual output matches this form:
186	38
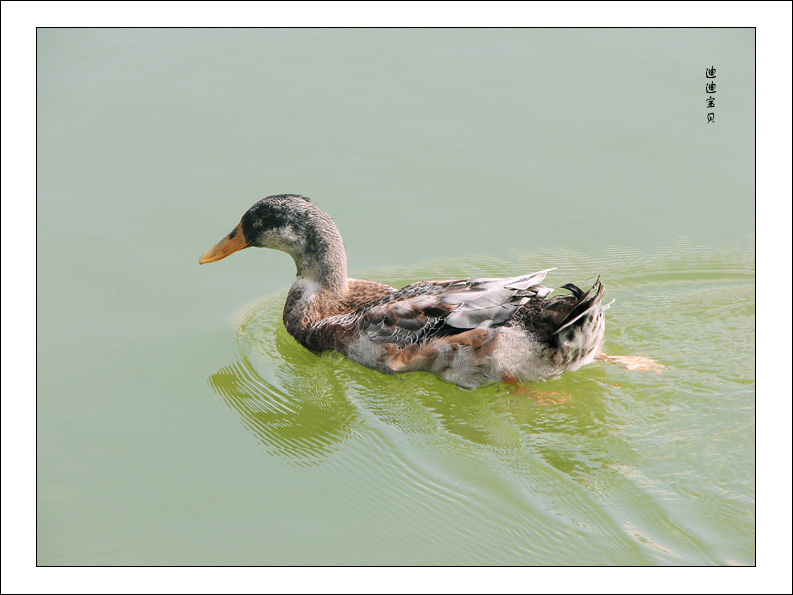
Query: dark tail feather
574	289
586	303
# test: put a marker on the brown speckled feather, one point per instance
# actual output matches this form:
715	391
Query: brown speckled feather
431	309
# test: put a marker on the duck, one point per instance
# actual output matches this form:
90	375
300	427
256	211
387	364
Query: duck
470	332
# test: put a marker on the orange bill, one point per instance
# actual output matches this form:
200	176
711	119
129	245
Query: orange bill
228	245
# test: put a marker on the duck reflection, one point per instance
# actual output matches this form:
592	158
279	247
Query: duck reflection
303	420
303	407
286	396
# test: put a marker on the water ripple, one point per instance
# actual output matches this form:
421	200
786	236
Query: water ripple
601	466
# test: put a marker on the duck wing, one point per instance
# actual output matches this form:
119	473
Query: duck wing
428	309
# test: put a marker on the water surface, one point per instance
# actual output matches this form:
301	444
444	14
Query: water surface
178	423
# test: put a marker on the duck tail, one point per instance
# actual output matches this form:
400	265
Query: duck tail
587	302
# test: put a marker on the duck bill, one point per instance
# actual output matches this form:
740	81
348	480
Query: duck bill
229	245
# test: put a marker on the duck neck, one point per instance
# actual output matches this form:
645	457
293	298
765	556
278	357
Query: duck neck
320	259
321	282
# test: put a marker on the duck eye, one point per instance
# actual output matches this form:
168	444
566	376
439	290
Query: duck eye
233	234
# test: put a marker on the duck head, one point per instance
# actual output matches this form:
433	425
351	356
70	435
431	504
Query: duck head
295	225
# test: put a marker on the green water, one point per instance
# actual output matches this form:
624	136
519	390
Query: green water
178	422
